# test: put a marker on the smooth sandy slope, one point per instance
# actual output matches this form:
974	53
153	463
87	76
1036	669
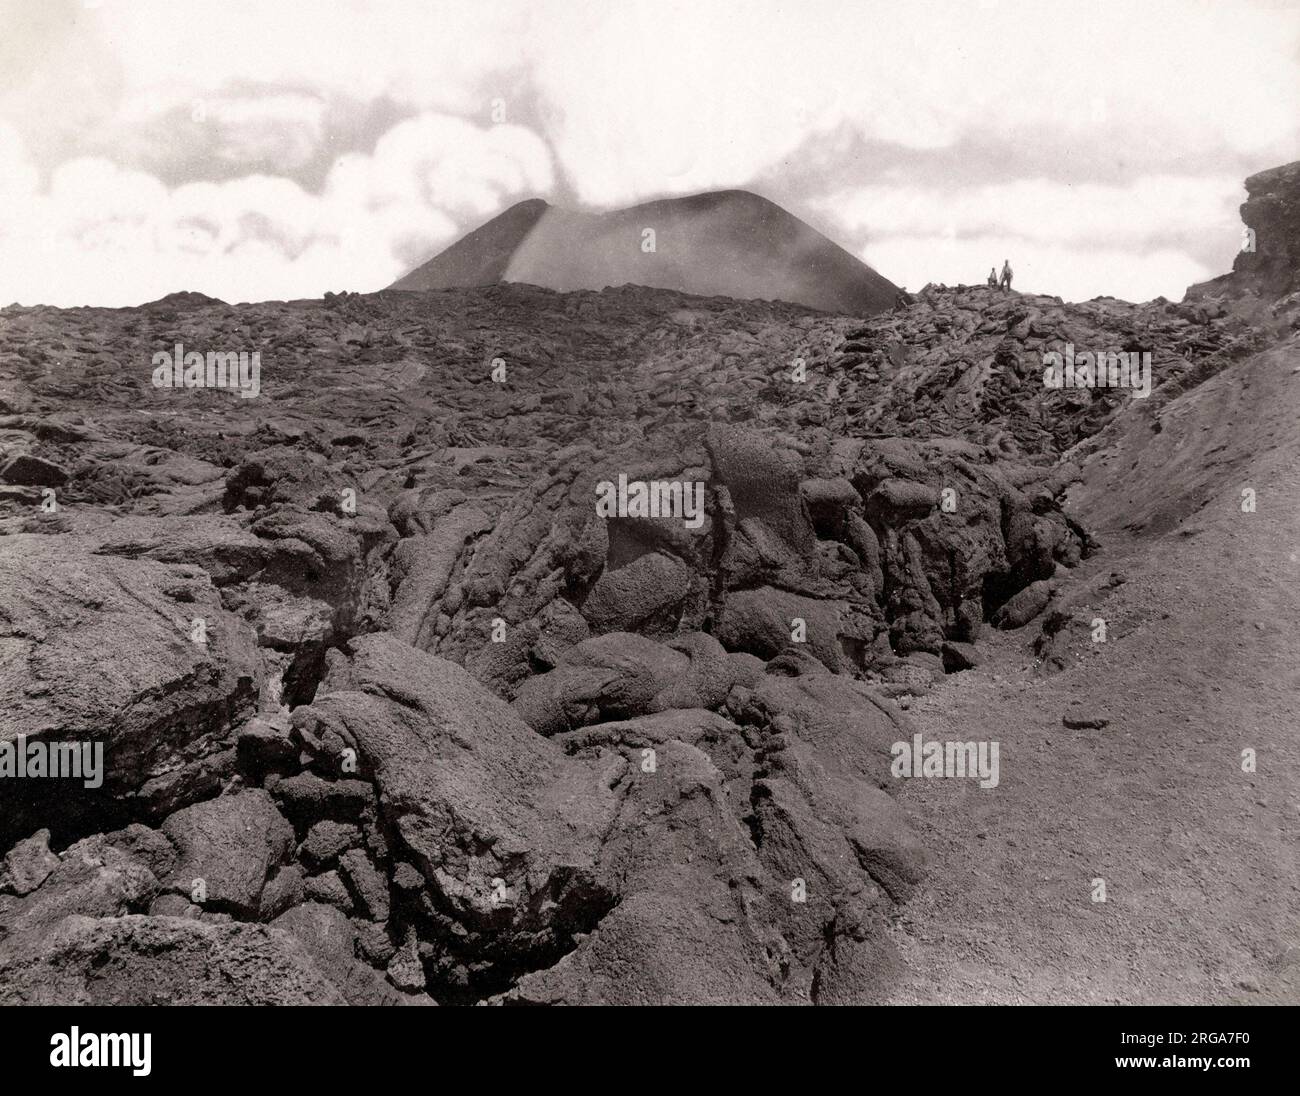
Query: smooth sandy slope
1201	861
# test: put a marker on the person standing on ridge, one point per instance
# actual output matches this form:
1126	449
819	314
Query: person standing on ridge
1005	281
993	277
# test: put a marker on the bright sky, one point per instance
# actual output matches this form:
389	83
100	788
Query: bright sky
256	149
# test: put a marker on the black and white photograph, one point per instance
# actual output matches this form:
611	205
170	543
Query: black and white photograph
647	503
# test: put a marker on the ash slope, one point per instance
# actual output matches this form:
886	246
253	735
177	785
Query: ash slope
1144	785
613	803
726	243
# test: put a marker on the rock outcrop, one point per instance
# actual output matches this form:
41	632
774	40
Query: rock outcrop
1271	257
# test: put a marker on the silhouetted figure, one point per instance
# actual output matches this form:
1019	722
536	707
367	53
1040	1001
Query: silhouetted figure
1005	280
993	277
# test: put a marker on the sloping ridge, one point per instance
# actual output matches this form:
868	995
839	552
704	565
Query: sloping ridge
723	243
481	257
1158	463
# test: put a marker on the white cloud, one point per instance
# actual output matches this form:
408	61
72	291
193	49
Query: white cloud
448	163
1071	241
634	99
18	176
114	236
286	129
1040	266
1148	206
677	96
424	53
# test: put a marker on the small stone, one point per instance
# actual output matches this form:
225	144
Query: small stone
326	840
174	905
373	942
28	864
407	878
32	471
284	891
367	885
262	743
329	889
405	970
307	797
960	656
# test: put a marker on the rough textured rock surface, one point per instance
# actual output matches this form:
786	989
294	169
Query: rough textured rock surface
392	713
98	649
137	960
1272	213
